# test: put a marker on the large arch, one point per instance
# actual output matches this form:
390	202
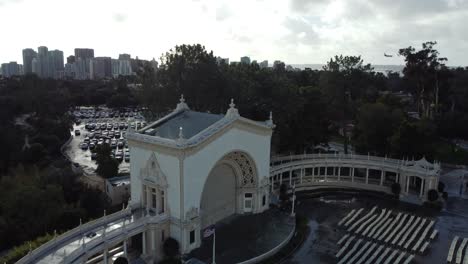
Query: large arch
229	188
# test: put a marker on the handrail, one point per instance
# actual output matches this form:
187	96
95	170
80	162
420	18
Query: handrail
48	246
114	236
406	166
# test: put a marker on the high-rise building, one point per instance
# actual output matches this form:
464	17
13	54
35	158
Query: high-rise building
56	68
220	60
245	60
124	56
10	69
71	59
264	64
28	56
83	61
42	68
101	67
84	53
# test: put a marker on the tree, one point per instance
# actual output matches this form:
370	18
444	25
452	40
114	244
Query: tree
376	123
107	166
423	68
396	188
432	195
171	247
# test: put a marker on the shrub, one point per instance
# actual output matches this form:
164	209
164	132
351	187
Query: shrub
396	188
445	195
22	250
432	195
441	187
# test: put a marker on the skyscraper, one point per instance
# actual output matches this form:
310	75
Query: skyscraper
245	60
101	67
264	64
84	53
56	67
10	69
71	59
28	56
42	68
83	61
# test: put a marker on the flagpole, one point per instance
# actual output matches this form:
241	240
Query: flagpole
214	247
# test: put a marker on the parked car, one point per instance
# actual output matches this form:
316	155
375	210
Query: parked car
77	132
84	146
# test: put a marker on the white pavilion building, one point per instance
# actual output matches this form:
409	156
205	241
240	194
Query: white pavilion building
195	169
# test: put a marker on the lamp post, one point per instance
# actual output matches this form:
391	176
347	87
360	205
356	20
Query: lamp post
293	213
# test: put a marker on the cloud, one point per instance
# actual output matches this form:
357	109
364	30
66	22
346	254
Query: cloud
223	12
6	2
120	17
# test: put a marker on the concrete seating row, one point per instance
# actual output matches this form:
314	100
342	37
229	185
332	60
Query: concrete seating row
362	219
460	251
390	228
350	253
452	249
343	249
378	227
374	223
354	217
342	239
422	238
403	230
402	220
409	231
346	217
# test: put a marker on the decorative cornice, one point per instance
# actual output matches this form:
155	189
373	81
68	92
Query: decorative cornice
202	138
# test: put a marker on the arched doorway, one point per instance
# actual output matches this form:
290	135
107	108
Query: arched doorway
229	188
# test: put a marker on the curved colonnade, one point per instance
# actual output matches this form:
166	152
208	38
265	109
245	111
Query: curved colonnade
318	171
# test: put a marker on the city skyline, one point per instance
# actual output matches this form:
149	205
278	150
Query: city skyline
294	31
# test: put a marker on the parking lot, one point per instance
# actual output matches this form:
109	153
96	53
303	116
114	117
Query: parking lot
94	127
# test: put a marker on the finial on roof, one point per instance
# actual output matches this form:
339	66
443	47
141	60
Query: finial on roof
232	112
182	105
181	134
232	104
270	121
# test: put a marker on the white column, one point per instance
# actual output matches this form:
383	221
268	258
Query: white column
313	173
272	182
148	197
290	176
334	171
422	187
302	174
281	178
352	174
339	173
144	242
153	240
407	183
105	256
382	175
326	172
367	176
125	248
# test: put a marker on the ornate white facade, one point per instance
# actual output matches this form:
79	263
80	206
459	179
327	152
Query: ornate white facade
198	174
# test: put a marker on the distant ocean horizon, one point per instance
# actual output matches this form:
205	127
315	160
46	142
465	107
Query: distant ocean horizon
377	68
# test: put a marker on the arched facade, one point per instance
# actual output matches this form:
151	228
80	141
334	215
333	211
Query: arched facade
229	188
215	166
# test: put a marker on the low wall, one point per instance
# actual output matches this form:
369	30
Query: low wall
273	251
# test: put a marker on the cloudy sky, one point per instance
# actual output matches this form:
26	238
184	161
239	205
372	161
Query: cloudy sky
294	31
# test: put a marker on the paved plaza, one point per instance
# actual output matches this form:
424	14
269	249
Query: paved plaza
324	214
240	238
